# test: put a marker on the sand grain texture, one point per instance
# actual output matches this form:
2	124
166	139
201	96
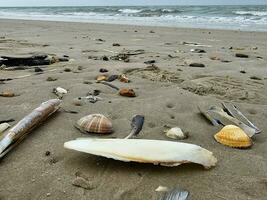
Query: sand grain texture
168	95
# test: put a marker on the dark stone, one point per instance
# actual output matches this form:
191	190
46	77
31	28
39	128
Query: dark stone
51	79
67	70
105	58
198	51
243	72
112	78
102	70
241	55
197	65
38	69
47	153
100	40
116	44
151	31
150	62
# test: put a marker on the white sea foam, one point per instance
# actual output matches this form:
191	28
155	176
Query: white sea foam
255	13
129	11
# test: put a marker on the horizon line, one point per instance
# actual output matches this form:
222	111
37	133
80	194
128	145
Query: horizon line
133	5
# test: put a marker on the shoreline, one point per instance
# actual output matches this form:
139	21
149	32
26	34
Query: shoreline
133	25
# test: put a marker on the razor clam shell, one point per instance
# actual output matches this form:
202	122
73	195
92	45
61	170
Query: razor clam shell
218	115
175	194
12	137
161	152
233	111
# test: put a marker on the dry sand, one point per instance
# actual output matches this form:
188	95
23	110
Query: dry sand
168	96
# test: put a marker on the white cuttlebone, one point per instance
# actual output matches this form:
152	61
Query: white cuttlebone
161	152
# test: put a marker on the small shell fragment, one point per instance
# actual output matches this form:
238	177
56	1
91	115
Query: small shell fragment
3	127
123	78
175	194
162	189
7	94
233	136
95	123
101	78
59	91
176	133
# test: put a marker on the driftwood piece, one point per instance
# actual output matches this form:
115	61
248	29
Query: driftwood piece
34	60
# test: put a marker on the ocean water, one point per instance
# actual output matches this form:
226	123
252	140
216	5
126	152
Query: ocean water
252	18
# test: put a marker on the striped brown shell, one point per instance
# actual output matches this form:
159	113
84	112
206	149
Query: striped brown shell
95	123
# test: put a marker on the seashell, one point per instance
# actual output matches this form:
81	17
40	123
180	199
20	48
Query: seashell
4	126
137	125
7	94
175	194
176	133
162	189
233	136
127	92
157	152
59	91
101	78
95	123
123	78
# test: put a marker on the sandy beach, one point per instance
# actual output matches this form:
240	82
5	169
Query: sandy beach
168	94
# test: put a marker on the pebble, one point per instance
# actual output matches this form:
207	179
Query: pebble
116	44
47	153
48	194
150	62
198	51
67	70
241	55
51	79
197	65
105	58
112	78
103	70
38	69
243	72
127	92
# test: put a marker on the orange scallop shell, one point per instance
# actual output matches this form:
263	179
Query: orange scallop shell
95	123
233	136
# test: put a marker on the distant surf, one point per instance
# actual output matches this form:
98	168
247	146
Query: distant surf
252	18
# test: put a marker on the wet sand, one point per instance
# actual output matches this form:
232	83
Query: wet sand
167	95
